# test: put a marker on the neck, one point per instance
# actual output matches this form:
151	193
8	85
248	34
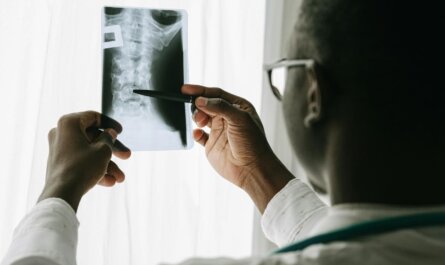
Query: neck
374	168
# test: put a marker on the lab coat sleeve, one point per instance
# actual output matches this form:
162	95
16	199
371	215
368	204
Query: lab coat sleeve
292	213
47	235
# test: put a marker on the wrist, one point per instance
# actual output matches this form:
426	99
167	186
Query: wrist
63	192
266	179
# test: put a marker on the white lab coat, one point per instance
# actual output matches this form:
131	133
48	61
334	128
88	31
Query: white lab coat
48	234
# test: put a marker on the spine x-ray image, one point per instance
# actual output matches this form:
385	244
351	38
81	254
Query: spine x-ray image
145	49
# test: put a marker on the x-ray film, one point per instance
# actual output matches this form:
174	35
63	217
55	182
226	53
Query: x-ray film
146	49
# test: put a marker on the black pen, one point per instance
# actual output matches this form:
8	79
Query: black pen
167	96
172	97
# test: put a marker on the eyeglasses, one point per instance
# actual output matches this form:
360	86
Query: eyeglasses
277	74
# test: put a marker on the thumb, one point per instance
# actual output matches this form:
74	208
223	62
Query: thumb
220	107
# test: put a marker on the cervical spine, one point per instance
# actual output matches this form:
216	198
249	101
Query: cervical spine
131	64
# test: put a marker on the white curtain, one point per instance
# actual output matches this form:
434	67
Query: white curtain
172	204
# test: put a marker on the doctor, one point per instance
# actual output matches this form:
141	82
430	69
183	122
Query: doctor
364	110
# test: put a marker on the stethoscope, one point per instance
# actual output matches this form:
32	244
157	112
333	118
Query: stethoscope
369	228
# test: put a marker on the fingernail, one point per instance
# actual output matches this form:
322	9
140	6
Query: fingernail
194	114
201	102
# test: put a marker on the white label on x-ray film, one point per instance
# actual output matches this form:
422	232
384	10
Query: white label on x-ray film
115	40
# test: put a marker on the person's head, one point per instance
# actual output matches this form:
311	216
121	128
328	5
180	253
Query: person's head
370	114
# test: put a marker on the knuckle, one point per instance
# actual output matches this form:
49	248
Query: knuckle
219	91
51	134
246	104
249	107
64	120
91	113
249	104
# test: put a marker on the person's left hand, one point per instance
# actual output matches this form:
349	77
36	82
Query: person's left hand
79	156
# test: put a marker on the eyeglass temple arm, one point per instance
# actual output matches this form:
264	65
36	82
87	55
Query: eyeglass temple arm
289	63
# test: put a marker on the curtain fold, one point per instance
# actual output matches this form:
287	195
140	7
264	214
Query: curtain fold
172	204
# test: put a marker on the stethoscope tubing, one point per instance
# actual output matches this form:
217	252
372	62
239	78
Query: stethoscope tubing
369	228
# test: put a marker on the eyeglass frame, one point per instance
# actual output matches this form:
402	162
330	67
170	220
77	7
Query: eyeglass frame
309	63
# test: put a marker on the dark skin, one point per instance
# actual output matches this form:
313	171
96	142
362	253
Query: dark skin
236	147
79	139
359	151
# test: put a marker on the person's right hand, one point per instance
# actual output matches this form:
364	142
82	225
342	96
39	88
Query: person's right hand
236	145
80	149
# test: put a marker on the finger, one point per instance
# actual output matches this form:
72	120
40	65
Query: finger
200	136
211	92
51	136
105	141
201	119
218	106
107	181
120	150
115	171
95	119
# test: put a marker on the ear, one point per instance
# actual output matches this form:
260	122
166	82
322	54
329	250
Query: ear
313	97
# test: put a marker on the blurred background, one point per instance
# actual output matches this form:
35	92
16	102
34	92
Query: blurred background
172	205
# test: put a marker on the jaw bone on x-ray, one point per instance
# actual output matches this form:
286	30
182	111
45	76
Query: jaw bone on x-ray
145	49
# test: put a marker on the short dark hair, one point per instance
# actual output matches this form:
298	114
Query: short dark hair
376	45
